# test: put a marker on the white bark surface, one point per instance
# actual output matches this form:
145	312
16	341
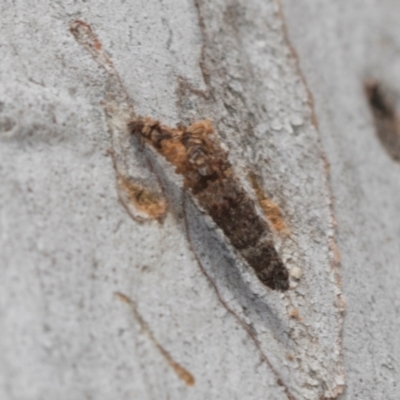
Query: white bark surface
192	309
358	39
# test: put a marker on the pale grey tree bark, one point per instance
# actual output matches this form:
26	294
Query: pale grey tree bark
99	300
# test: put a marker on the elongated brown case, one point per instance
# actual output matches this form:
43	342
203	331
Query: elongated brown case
208	175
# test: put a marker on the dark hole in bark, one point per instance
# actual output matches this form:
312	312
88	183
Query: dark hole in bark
386	117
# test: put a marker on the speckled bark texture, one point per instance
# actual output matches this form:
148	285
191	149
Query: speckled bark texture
117	282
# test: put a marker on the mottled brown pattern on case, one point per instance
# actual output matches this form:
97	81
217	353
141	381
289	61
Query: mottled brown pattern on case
208	175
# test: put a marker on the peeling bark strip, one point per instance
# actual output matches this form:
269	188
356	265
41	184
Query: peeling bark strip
141	201
208	175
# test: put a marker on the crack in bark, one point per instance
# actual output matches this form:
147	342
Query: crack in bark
180	371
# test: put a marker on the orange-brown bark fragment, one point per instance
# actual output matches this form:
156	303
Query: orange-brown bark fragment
289	357
295	314
84	34
270	209
144	201
209	176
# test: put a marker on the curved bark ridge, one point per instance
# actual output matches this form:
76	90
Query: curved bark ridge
138	189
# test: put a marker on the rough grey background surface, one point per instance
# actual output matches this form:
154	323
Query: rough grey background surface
67	244
356	40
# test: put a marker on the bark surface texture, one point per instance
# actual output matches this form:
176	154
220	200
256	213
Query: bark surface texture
120	279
